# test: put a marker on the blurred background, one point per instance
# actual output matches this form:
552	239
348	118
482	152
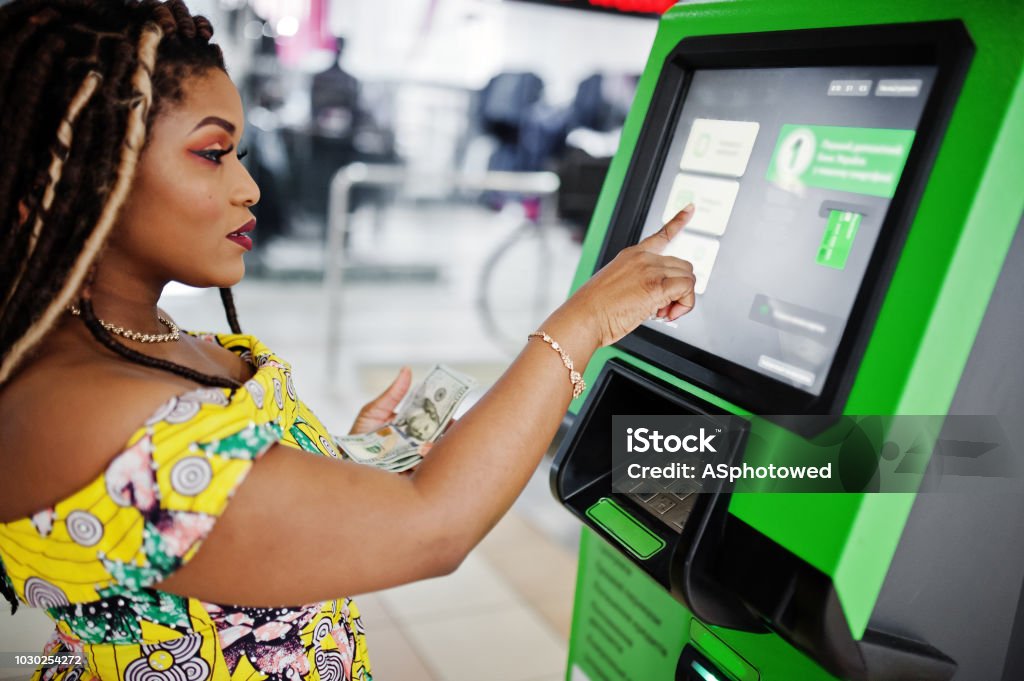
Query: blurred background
428	169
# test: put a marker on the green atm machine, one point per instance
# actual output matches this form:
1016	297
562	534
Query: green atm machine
858	172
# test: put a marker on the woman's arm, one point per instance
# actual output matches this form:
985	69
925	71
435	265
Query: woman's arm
302	528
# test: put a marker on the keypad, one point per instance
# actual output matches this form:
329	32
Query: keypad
672	504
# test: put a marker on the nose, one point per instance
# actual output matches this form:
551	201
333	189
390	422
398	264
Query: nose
247	192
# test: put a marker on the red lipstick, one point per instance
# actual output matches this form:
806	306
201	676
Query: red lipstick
240	236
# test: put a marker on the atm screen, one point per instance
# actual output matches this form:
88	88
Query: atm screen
792	171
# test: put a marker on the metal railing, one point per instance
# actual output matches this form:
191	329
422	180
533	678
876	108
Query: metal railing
542	185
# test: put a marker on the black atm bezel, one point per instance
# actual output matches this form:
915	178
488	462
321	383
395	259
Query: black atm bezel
945	44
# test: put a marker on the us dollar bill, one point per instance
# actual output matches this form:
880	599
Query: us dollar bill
382	447
395	446
403	465
424	416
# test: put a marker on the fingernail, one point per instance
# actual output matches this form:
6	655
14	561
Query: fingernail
688	208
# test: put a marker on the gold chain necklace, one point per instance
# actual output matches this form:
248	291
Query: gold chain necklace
137	335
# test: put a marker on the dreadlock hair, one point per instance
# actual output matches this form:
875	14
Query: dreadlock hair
81	82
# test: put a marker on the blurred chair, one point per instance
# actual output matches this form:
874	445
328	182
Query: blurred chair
595	124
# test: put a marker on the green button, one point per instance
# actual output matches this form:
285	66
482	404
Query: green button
721	654
626	529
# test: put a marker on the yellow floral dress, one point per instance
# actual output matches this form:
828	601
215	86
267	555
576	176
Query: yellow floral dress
92	559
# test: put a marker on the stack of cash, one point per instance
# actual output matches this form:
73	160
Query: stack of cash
396	446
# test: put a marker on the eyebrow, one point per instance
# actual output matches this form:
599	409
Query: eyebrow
214	120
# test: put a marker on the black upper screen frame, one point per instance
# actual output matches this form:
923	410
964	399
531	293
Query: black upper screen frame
944	44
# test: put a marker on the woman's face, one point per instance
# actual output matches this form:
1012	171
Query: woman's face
190	192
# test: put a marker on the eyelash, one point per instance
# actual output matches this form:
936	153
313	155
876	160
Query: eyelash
215	155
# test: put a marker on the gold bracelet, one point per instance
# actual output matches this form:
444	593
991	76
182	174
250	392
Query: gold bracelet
578	385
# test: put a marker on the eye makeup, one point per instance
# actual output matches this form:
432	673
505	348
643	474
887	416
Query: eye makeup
215	155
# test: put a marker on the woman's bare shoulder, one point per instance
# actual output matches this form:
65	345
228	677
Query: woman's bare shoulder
65	417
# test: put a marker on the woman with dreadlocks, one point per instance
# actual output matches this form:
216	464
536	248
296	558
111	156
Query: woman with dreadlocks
123	439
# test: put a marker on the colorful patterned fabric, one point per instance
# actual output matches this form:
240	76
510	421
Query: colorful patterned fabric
92	559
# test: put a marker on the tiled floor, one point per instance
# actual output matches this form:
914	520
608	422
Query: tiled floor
487	620
504	614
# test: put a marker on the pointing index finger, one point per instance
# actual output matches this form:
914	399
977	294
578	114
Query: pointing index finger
656	242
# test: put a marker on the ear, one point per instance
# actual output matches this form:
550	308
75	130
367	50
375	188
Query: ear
22	212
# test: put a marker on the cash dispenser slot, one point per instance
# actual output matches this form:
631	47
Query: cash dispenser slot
676	554
800	603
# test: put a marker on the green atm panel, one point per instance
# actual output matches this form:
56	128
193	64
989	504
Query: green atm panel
857	176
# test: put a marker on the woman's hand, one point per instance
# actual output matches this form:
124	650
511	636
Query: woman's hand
637	284
380	411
